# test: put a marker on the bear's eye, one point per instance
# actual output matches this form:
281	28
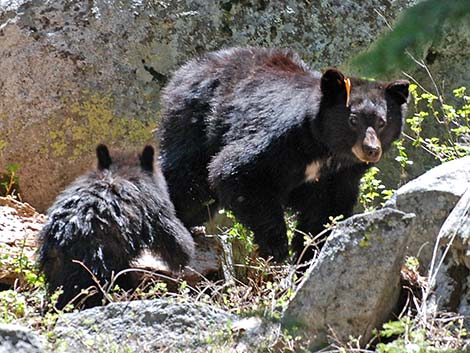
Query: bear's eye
381	123
353	120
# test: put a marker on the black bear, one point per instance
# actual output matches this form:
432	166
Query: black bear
257	132
104	219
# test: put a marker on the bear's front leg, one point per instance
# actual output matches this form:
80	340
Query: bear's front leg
332	196
311	203
245	186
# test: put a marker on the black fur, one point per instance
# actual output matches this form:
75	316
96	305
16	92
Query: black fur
241	126
104	219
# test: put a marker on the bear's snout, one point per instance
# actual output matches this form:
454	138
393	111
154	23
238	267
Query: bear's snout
369	149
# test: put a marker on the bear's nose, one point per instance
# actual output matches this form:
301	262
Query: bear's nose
372	152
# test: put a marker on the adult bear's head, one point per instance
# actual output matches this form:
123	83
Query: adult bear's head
359	119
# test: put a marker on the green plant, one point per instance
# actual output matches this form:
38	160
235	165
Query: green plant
239	232
13	306
372	192
444	335
402	156
333	221
19	262
453	124
9	183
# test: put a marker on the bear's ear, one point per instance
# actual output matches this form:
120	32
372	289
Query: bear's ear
146	158
398	91
333	85
104	159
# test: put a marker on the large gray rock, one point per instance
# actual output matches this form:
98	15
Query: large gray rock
18	339
355	283
156	326
432	196
76	73
450	272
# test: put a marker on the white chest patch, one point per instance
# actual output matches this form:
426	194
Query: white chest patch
312	171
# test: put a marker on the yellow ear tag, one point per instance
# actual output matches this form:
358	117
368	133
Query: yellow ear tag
347	83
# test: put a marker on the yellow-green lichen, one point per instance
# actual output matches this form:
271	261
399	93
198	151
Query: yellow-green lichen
5	132
366	240
93	121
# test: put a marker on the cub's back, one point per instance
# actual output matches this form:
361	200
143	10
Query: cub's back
108	199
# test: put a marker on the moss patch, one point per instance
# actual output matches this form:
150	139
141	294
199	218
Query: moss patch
3	144
93	121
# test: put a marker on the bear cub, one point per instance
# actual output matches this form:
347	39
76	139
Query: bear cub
256	131
104	219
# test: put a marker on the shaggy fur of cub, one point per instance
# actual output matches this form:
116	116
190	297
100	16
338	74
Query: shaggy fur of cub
104	219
